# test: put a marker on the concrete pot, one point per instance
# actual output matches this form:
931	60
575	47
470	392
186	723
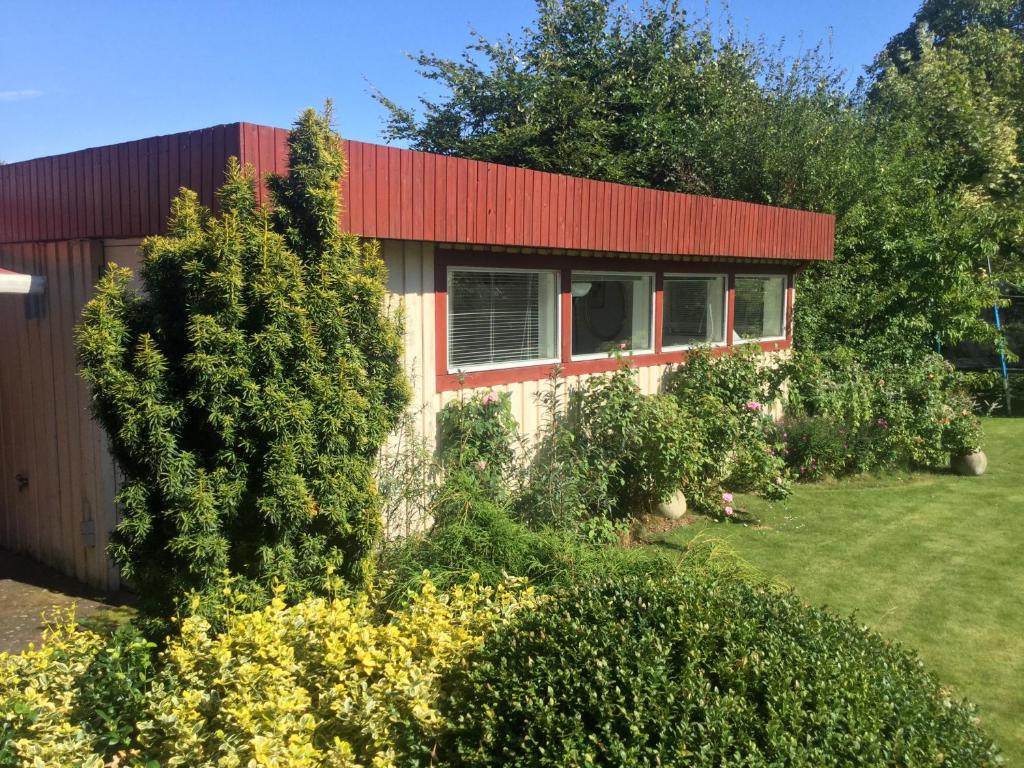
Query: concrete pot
971	464
674	508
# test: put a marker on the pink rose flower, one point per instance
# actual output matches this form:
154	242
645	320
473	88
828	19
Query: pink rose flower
727	498
490	397
753	405
728	511
481	465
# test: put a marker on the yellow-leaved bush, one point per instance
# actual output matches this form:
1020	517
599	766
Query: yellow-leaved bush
38	721
334	682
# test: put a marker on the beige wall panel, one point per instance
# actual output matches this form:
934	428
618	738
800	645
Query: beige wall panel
48	435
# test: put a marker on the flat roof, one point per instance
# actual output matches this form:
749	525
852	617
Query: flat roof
124	190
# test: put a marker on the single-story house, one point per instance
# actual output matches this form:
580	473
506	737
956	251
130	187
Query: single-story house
503	273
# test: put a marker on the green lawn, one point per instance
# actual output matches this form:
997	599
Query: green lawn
935	561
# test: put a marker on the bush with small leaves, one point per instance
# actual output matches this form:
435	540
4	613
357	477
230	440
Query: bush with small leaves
698	671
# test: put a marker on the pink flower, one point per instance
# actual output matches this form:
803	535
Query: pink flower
728	511
481	465
490	397
727	498
753	405
622	345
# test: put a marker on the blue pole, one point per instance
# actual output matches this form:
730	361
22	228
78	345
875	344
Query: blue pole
1002	350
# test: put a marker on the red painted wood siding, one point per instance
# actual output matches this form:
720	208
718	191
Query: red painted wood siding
125	191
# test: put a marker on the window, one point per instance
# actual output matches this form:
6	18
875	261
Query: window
611	309
694	310
501	318
760	308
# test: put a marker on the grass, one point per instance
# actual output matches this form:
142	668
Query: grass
935	561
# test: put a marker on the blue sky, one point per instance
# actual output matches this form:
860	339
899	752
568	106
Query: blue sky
75	74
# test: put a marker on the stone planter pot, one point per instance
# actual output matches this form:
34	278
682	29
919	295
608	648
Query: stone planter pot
674	508
971	464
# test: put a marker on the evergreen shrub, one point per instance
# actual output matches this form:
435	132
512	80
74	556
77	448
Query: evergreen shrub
247	389
76	698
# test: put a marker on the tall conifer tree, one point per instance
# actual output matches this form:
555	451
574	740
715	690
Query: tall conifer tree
247	389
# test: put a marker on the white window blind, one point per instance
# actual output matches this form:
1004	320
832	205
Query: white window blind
500	318
694	310
760	308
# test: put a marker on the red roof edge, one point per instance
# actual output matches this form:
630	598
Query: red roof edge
124	190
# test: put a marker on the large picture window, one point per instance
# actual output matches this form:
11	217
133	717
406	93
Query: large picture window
611	310
693	310
760	308
501	318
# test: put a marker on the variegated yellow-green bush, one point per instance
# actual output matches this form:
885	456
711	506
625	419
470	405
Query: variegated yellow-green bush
323	682
38	699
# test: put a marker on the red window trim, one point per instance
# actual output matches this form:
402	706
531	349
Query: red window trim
443	259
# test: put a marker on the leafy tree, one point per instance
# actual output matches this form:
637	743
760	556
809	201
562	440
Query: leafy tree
947	19
657	99
247	389
651	99
961	83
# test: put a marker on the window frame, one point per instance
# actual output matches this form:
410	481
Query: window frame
649	350
449	269
785	308
725	311
433	342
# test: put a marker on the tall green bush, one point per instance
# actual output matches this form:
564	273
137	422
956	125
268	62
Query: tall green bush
246	390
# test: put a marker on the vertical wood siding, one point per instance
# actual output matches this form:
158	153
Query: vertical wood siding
402	194
396	194
124	190
57	479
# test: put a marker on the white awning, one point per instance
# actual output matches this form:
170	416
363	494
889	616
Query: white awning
17	282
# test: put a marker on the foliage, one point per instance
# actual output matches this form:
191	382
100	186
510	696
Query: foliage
649	98
989	390
476	533
323	682
640	443
407	473
695	672
844	416
727	400
566	485
247	389
478	433
74	700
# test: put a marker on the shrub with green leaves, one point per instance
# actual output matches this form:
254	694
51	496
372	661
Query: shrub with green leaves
247	389
74	700
844	415
640	442
476	533
696	671
727	399
478	433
